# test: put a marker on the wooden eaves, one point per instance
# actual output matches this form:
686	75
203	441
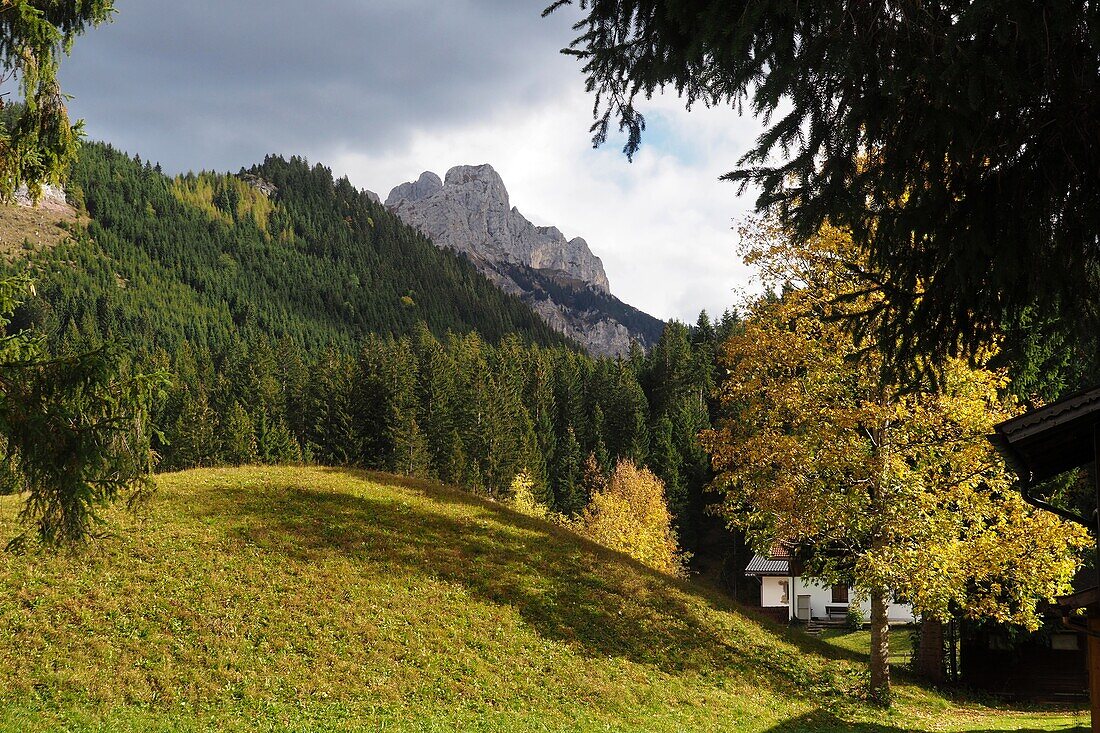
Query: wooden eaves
1038	446
1049	441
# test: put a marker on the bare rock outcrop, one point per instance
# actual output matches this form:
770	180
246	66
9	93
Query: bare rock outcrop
51	198
469	211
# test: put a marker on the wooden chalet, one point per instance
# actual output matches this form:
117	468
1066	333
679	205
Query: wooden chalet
786	595
1048	666
1038	446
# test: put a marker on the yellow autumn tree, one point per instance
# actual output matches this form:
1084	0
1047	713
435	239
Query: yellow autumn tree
892	488
523	496
629	514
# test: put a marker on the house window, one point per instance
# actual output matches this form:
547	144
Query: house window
840	594
785	592
1064	642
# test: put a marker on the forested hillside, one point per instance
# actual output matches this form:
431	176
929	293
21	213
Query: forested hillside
298	255
301	321
462	410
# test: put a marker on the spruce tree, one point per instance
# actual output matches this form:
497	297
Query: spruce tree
407	443
238	437
628	417
665	461
954	140
569	496
192	437
410	447
37	140
275	444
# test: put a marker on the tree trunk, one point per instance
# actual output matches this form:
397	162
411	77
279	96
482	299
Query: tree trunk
954	629
880	648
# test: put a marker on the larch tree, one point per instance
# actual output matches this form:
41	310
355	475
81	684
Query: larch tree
896	492
629	514
955	139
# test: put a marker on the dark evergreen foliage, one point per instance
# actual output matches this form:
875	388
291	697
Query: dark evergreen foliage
956	139
285	323
74	428
325	266
461	410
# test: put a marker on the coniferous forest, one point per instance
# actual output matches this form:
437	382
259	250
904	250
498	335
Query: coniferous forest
300	321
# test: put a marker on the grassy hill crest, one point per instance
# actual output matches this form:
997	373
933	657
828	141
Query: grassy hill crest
329	599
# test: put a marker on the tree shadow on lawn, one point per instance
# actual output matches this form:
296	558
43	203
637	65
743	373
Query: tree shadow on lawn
710	595
823	721
566	588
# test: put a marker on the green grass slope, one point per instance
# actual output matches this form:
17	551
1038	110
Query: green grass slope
321	599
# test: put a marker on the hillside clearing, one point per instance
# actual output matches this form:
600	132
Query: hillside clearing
41	226
325	599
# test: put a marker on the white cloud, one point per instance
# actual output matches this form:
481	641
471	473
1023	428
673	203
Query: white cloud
663	225
383	90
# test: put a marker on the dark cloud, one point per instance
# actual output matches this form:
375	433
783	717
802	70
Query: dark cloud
217	83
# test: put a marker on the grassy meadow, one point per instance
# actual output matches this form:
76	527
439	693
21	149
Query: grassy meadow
317	599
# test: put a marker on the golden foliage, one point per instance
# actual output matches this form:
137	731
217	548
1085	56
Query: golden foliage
523	496
630	515
204	190
891	486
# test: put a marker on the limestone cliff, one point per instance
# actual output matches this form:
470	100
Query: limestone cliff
470	212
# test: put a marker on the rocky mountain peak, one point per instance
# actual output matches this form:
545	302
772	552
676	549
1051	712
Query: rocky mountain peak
418	190
469	211
485	174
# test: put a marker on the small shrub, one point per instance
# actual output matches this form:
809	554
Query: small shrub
855	618
523	496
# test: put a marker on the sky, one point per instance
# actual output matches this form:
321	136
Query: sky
381	90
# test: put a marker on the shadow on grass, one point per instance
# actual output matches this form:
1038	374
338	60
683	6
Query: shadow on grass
565	588
823	721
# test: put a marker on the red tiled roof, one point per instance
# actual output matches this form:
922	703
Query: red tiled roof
780	552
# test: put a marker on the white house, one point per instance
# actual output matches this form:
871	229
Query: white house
811	599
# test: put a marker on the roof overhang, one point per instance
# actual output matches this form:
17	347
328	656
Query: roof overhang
762	566
1051	440
1089	598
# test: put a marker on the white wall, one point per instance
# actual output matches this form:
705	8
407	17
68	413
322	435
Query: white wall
822	595
772	591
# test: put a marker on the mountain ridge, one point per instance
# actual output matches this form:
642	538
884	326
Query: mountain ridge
469	211
283	248
493	229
